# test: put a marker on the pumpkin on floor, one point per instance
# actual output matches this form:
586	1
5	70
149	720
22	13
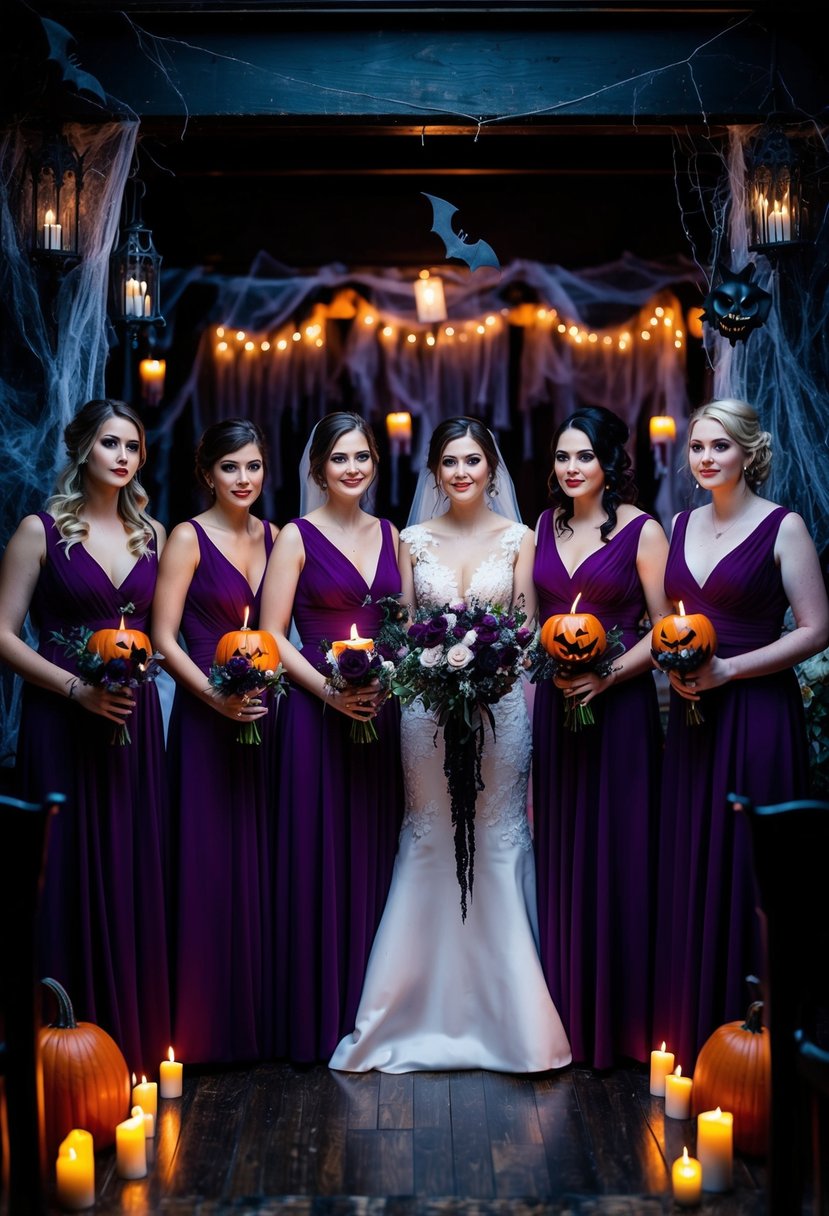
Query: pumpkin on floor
733	1071
86	1082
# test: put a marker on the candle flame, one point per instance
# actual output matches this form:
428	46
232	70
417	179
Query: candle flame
72	1155
49	218
573	609
685	1157
354	634
121	626
143	1080
170	1054
247	614
678	1071
134	1079
662	1048
681	608
717	1113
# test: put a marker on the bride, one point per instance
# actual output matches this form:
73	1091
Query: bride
441	993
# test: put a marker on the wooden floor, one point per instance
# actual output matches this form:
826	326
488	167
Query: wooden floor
276	1138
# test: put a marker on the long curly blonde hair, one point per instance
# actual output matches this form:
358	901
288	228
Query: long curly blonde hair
69	497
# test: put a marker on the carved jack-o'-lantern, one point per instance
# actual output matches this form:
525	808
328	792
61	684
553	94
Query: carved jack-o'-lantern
256	645
573	637
119	643
683	633
737	305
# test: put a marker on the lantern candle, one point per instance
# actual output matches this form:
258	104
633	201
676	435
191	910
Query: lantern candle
355	642
170	1076
151	373
52	232
131	1148
662	428
75	1172
399	427
686	1179
678	1095
662	1062
715	1146
149	1121
145	1095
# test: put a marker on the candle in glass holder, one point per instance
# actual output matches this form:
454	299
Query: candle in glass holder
131	1148
151	372
678	1091
686	1180
715	1146
662	1062
170	1076
75	1174
145	1095
662	428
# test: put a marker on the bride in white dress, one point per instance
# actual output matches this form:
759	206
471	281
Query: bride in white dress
441	993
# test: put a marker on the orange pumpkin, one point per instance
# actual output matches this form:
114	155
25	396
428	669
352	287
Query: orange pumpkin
118	643
733	1071
256	645
683	632
86	1082
573	637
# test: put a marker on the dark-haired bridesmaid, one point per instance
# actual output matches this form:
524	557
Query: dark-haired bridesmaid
89	556
209	583
596	790
338	802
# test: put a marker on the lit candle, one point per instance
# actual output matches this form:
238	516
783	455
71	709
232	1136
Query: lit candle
662	428
399	427
148	305
79	1140
170	1076
51	231
686	1178
149	1121
661	1064
715	1146
355	642
678	1095
151	372
787	223
145	1095
131	1148
75	1172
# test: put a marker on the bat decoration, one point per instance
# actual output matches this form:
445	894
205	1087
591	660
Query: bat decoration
474	253
737	305
59	40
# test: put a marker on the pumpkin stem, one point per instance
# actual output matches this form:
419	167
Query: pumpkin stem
66	1014
754	1018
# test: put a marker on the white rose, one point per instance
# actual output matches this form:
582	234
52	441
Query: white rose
451	621
815	668
459	656
432	656
387	663
469	637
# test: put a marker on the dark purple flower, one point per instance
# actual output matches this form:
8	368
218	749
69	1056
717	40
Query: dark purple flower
417	632
507	655
487	661
523	637
386	652
459	631
487	629
238	667
117	671
354	665
435	631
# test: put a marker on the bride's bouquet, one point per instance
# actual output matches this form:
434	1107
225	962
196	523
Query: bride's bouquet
462	659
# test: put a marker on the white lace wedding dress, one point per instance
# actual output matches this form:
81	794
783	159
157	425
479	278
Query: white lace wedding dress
440	993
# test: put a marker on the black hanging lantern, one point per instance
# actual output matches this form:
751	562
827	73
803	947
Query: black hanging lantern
778	212
136	270
56	173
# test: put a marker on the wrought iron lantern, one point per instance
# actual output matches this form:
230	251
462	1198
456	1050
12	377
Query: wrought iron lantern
778	211
55	170
136	270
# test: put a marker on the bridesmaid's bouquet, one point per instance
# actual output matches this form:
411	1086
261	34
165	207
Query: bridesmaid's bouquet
357	662
113	659
462	659
569	644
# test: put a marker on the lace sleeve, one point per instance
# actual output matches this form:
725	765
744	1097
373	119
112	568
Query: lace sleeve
417	538
512	539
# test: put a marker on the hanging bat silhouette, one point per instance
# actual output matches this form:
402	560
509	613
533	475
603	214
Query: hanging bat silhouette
59	42
474	253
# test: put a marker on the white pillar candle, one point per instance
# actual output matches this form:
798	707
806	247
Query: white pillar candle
149	1121
145	1095
131	1148
715	1146
170	1076
75	1173
661	1064
678	1091
686	1179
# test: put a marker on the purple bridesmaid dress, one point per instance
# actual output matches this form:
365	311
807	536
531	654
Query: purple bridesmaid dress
595	806
753	742
338	812
103	931
222	841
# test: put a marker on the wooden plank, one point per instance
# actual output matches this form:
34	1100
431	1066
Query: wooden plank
431	1101
362	1090
626	1152
472	1156
511	1111
396	1100
379	1163
259	1137
209	1137
434	1172
570	1163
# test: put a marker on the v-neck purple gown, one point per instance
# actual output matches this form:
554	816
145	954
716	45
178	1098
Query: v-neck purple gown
753	742
338	813
103	931
222	841
595	807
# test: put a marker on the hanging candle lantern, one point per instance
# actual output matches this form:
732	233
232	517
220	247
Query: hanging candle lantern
136	269
55	170
778	213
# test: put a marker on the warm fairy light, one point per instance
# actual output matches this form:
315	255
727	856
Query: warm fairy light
220	331
313	331
541	313
221	347
430	339
480	329
387	331
592	337
449	331
573	331
368	319
561	327
678	343
659	310
424	274
296	336
249	346
240	335
282	344
411	337
265	345
319	342
607	340
490	320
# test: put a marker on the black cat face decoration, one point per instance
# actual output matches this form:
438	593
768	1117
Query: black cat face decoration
737	305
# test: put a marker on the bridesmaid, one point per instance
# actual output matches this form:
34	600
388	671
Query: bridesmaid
339	803
210	576
79	563
595	791
741	560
